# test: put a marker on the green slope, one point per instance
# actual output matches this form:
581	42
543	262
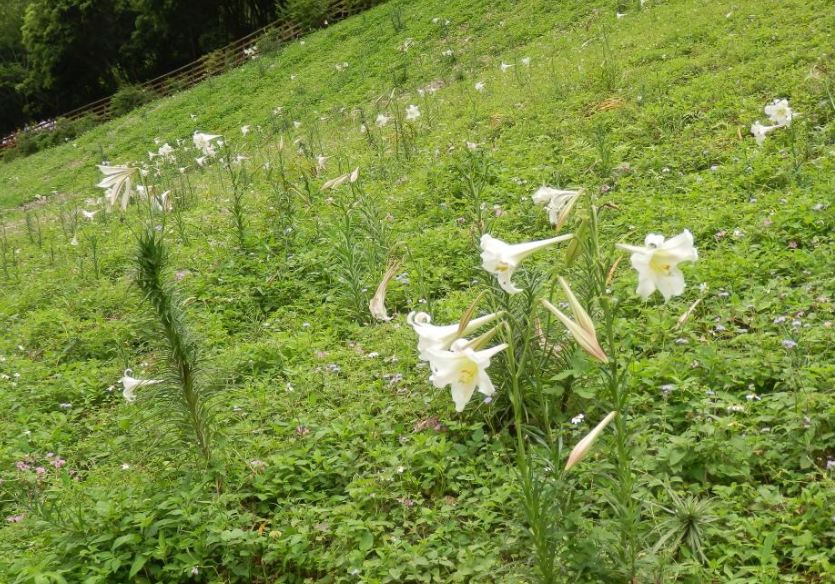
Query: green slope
325	473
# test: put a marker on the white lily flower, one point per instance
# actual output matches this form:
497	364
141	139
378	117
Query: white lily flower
464	369
320	162
166	151
89	215
504	66
163	202
201	160
502	258
131	384
245	130
779	112
382	120
760	132
479	86
297	124
657	263
117	179
558	203
412	112
584	446
203	142
435	337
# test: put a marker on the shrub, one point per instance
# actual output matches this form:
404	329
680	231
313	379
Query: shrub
128	98
307	13
31	141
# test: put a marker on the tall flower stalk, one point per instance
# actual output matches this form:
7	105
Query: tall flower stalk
599	270
185	400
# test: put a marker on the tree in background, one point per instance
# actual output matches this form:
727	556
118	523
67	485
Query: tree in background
72	48
62	54
12	63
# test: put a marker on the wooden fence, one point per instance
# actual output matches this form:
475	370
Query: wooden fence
211	64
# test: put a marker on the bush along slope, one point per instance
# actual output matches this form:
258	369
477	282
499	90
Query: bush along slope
449	292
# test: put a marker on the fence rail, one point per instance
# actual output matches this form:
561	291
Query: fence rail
214	63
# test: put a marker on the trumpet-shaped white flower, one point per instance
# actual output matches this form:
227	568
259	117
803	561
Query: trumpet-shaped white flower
166	151
760	132
89	215
412	112
245	129
584	446
117	180
321	161
163	202
479	86
382	120
201	160
504	66
433	337
779	112
203	142
464	369
130	384
558	202
657	263
502	258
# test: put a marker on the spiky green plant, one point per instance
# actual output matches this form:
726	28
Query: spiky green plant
185	400
686	525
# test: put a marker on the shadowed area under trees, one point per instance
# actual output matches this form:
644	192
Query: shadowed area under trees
56	55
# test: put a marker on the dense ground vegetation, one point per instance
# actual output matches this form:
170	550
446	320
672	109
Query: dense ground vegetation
334	459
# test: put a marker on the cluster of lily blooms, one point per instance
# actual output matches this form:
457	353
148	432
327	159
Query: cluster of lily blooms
462	364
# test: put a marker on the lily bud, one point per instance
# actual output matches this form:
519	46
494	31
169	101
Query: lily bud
377	306
583	329
584	446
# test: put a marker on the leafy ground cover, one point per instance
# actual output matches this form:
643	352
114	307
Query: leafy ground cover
336	460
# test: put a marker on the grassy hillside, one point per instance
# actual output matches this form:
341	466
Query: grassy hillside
335	459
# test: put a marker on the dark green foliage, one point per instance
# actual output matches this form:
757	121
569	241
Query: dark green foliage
309	14
128	98
31	141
